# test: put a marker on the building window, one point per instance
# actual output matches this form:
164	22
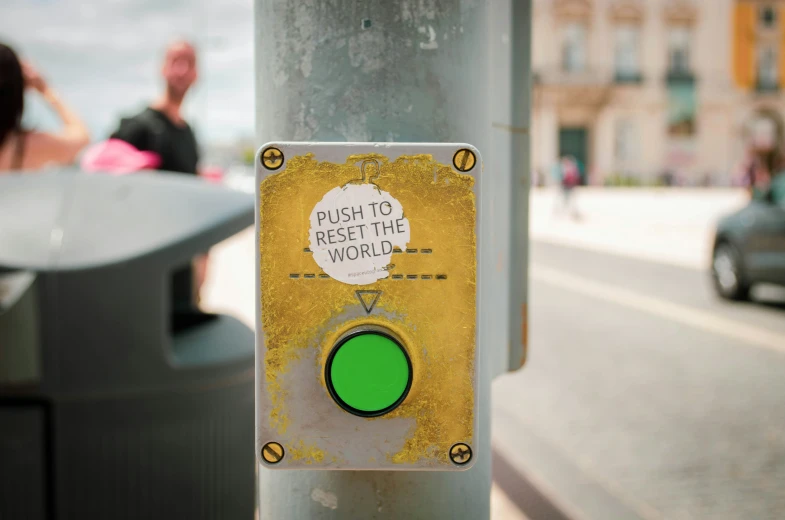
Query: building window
768	16
679	50
627	53
574	47
768	75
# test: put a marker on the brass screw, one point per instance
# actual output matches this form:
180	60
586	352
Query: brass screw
460	453
464	160
272	158
272	453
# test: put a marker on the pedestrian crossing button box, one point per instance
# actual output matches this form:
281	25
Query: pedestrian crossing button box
367	307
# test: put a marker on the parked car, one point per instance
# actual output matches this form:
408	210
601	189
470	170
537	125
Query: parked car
749	245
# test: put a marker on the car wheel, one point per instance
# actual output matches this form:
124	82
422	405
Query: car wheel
728	274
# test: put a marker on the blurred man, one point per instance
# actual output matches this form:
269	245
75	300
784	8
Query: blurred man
161	129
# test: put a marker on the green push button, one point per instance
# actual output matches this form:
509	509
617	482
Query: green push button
368	373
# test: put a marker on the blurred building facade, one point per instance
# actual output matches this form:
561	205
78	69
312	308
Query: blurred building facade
651	90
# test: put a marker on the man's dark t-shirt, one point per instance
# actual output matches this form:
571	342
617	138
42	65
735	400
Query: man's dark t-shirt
153	131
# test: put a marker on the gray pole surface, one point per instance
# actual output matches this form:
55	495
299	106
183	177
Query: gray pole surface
510	61
348	70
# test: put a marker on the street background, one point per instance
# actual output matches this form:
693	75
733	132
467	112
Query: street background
644	395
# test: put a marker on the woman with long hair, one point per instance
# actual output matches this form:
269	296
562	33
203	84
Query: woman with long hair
22	149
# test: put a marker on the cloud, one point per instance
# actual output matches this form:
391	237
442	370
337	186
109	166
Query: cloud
103	57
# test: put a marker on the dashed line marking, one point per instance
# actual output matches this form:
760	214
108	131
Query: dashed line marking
323	276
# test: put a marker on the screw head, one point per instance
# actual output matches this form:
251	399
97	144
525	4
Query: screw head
272	453
464	160
272	158
460	453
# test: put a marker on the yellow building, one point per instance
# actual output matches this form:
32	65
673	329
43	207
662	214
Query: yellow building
640	89
759	66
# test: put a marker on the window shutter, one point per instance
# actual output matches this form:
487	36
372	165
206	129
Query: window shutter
744	44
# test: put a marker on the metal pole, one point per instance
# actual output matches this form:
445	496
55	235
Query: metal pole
520	177
348	70
510	60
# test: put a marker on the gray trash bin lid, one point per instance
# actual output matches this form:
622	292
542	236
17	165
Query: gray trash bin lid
63	220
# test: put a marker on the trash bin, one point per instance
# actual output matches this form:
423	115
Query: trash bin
115	403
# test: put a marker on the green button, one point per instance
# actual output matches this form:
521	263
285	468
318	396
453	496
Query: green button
368	374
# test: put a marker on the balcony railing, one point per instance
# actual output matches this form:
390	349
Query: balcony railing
679	76
764	86
628	78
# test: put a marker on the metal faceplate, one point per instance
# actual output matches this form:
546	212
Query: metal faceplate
357	237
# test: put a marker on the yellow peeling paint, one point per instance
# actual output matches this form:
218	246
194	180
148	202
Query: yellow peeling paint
309	454
434	318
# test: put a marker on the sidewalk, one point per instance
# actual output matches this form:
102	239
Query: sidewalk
671	225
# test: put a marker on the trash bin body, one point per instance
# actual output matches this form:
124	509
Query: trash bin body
114	403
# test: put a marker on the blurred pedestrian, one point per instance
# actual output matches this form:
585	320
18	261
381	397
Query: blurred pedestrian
569	178
760	179
23	149
757	171
162	130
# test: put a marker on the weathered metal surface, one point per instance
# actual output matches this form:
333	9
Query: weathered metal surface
508	156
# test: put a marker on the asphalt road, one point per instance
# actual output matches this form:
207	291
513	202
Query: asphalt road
644	396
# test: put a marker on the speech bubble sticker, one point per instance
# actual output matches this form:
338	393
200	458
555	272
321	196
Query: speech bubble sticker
354	230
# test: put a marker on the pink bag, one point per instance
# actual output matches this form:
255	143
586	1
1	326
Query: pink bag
116	157
212	174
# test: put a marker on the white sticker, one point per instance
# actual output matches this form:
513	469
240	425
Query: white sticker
354	230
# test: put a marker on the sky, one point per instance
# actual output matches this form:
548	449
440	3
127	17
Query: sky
104	58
